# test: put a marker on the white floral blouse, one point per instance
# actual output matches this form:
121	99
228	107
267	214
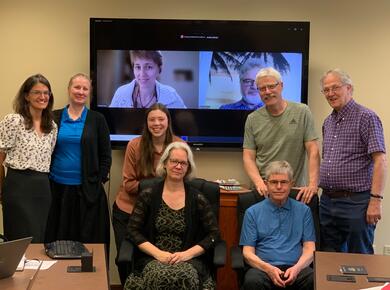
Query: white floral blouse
25	149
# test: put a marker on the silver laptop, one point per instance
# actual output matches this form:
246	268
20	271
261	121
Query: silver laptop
10	254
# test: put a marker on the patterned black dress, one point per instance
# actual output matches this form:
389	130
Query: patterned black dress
170	226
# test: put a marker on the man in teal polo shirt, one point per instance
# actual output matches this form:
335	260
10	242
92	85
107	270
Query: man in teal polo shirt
278	236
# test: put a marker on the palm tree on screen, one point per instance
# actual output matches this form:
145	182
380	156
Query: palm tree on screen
225	61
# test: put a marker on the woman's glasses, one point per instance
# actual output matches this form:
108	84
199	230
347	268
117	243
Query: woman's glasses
36	93
176	162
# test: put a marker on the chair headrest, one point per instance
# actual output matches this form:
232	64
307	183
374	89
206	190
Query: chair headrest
148	182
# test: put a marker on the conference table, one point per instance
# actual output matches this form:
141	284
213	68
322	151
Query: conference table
328	263
57	277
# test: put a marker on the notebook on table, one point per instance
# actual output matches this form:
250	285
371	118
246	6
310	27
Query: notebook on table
10	254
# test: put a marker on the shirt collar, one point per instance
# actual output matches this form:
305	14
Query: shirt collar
66	117
344	111
241	104
282	113
285	206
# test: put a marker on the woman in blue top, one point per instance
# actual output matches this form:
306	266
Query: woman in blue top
80	165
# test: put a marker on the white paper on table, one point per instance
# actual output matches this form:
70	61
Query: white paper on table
33	264
20	266
376	287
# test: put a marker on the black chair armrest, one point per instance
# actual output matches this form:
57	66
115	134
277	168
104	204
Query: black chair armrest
220	254
126	252
237	258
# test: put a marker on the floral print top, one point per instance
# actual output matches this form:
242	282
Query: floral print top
25	149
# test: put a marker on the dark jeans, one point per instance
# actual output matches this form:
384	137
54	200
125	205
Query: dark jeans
120	219
256	279
343	224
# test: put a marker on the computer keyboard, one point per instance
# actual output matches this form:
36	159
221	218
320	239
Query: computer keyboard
65	249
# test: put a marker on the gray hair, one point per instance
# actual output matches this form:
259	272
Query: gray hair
279	167
268	72
344	77
191	170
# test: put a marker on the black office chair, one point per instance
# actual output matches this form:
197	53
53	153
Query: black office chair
216	257
246	200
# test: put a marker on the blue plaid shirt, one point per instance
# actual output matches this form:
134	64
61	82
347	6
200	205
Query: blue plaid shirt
350	136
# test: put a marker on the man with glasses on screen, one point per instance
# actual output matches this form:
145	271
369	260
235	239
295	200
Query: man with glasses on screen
250	97
353	169
280	130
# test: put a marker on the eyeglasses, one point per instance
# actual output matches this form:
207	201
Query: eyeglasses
270	87
277	182
334	89
248	82
176	162
39	93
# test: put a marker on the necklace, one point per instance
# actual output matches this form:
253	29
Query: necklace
147	104
137	99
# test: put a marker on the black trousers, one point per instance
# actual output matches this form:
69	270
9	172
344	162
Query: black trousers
26	203
259	280
120	219
71	217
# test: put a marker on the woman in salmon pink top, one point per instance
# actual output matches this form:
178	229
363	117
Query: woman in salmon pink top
141	158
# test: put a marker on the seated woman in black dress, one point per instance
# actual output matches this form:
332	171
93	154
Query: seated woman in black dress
173	225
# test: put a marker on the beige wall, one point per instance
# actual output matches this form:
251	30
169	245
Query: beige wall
52	37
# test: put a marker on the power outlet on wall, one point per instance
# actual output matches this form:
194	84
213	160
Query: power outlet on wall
386	250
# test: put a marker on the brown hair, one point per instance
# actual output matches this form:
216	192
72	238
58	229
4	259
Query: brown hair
154	55
22	106
146	161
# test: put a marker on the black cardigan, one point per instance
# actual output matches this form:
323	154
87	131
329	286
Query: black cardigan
201	223
95	152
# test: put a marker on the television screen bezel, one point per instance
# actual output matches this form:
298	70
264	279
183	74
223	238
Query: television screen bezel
275	36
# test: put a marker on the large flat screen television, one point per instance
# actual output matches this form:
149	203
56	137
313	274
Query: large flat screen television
203	72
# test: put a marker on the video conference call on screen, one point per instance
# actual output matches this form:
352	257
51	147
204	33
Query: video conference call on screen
205	71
